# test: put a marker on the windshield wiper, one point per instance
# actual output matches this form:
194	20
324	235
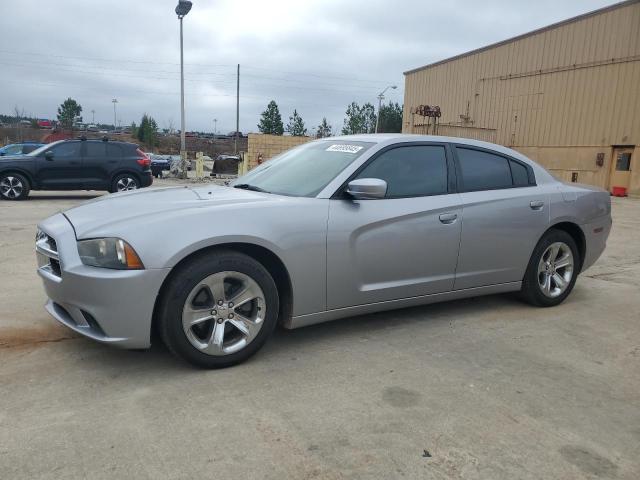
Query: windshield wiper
253	188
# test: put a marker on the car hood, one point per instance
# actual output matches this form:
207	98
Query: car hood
104	214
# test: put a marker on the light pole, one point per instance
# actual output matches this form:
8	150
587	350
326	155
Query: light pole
215	129
114	101
183	7
93	116
380	98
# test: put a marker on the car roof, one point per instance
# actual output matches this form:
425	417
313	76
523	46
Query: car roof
393	138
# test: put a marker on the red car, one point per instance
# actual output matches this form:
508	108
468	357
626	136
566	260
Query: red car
45	124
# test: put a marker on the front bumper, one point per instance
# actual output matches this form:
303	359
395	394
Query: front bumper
110	306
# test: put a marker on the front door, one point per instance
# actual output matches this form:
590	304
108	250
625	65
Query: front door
401	246
62	168
621	168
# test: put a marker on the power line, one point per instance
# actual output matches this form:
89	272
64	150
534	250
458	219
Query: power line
147	62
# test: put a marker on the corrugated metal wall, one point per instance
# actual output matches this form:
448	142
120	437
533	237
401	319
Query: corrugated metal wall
575	84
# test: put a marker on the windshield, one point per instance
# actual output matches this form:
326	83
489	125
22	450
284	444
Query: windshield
305	170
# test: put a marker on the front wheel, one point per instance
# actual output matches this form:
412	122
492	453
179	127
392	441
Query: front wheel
552	271
13	186
218	309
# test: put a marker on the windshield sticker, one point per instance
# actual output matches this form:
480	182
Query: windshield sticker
344	148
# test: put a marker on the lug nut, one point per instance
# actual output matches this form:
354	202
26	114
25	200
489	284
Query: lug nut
214	312
230	304
220	302
220	320
231	315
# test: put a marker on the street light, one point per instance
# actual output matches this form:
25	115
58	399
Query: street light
183	7
114	101
380	98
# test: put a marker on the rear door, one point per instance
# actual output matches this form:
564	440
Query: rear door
63	168
100	159
505	214
404	245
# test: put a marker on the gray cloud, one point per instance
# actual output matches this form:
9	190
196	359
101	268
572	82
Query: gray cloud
314	56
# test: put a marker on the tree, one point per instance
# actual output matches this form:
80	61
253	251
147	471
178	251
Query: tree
147	132
390	118
359	119
68	111
296	125
271	121
324	129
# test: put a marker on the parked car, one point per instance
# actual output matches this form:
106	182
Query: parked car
75	165
44	123
16	149
159	164
333	228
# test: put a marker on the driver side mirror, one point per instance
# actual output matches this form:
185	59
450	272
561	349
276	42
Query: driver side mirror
48	155
367	188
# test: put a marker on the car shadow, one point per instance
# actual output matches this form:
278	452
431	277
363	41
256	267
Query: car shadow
70	196
284	343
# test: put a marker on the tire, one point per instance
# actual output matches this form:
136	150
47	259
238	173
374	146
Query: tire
193	294
14	186
552	271
124	182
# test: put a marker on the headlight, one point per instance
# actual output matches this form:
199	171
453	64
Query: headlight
109	253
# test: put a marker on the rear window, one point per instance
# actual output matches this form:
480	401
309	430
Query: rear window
113	150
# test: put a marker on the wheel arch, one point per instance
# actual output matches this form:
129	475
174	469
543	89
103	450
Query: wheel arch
19	171
272	262
574	230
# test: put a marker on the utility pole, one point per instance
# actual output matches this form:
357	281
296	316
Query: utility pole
114	101
93	116
235	147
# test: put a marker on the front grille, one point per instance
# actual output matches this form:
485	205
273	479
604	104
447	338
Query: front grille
47	253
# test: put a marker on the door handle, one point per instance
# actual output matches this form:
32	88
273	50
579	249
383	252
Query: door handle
448	218
536	205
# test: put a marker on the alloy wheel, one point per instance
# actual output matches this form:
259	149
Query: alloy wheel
11	187
555	269
223	313
125	184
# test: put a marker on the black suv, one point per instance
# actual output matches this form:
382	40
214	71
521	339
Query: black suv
75	165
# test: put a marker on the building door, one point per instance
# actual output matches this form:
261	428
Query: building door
621	167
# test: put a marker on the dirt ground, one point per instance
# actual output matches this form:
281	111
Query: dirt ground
484	388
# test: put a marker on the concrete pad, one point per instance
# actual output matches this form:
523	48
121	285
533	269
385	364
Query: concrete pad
483	388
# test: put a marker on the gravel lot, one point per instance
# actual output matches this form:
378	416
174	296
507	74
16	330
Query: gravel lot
485	388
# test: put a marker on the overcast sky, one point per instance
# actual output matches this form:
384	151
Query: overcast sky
315	56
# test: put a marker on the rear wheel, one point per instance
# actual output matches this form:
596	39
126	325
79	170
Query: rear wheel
125	182
13	186
552	271
218	309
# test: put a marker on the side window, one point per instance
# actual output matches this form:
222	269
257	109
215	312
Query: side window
113	151
411	171
67	149
95	149
482	170
519	173
29	148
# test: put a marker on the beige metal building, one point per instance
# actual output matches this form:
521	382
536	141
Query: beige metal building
567	95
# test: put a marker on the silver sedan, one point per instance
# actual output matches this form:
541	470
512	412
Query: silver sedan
333	228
